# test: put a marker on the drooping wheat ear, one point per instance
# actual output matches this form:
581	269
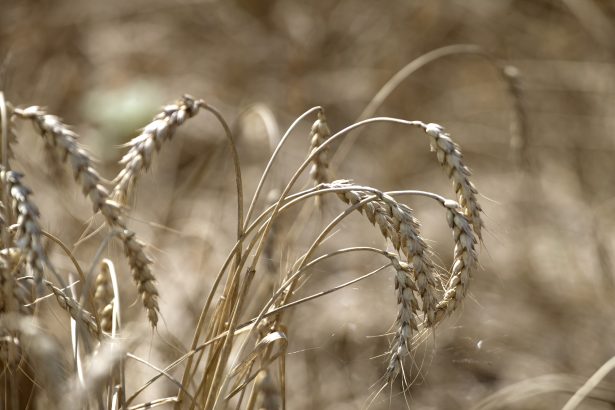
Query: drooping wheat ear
57	134
519	125
8	285
318	135
146	282
450	157
142	147
28	232
50	127
398	224
406	322
12	135
465	260
16	295
73	308
103	297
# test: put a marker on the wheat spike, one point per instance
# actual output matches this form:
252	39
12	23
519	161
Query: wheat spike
50	127
451	159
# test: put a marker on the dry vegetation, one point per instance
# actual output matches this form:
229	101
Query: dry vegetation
243	250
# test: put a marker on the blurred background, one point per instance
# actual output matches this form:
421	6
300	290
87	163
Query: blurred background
539	320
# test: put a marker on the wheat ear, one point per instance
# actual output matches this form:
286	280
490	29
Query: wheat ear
450	158
75	310
7	288
519	128
50	127
406	322
142	147
398	224
103	297
28	232
465	260
320	163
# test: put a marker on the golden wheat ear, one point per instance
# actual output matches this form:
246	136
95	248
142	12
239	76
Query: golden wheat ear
52	128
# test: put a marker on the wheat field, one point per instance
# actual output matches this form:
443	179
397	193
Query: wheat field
317	205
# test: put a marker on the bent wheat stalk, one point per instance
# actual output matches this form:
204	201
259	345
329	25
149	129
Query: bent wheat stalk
28	232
